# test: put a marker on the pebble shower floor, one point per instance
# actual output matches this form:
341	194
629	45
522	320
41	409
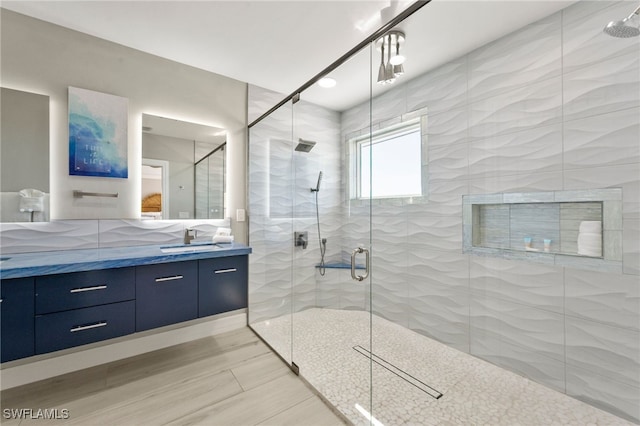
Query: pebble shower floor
474	392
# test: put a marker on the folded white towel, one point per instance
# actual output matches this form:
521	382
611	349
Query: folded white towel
591	226
590	245
590	253
31	200
223	239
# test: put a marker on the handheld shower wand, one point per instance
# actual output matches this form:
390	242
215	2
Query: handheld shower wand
322	241
317	188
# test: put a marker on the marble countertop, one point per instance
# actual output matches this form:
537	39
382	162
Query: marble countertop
63	261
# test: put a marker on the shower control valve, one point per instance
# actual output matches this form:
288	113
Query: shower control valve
301	239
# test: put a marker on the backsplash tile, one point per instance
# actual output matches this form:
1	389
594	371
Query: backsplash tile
92	234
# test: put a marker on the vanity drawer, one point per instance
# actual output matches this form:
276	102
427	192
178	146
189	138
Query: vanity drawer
222	285
166	293
81	326
55	293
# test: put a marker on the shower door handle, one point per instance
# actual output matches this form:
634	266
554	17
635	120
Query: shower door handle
353	264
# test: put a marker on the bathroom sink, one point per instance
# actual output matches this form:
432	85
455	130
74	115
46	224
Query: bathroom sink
189	248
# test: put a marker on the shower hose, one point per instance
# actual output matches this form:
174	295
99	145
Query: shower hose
321	241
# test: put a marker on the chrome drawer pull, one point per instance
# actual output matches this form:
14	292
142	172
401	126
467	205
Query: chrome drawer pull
177	277
224	271
88	327
82	289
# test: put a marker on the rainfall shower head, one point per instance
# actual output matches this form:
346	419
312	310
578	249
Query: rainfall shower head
305	146
628	27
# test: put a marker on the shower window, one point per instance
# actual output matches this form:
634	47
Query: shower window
389	163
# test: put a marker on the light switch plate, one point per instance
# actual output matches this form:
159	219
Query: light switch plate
241	215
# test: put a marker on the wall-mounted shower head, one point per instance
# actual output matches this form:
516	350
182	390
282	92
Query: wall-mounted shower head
317	188
305	146
628	27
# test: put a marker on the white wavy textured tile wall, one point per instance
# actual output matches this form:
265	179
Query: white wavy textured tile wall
615	397
48	236
528	182
356	118
581	10
439	296
584	43
440	90
532	329
122	233
528	55
260	100
603	87
447	127
594	296
441	233
540	368
611	352
389	105
537	104
444	199
389	284
631	247
588	142
537	150
538	286
625	176
449	162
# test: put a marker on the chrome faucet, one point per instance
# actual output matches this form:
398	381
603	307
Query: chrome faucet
189	235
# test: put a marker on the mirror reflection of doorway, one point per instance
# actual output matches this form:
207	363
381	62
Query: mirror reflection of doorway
155	193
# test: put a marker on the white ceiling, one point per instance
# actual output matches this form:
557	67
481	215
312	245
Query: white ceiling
280	45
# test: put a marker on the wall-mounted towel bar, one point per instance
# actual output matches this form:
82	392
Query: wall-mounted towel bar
80	194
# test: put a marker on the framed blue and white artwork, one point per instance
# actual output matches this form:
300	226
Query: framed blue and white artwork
98	125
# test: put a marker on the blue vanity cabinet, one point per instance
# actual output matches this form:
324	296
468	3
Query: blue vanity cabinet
76	327
166	293
222	284
16	318
61	292
77	308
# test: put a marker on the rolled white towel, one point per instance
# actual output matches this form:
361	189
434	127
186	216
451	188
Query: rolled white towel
591	226
31	200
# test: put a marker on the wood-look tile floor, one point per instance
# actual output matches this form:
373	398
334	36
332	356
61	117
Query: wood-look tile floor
229	379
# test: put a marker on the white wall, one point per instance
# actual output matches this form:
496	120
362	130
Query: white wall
44	58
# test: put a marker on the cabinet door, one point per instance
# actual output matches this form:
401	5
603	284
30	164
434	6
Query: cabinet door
166	293
222	284
16	318
75	290
76	327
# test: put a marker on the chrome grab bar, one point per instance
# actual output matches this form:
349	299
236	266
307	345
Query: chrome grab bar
83	289
353	264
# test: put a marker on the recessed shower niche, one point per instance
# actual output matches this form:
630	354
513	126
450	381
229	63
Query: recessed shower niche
582	229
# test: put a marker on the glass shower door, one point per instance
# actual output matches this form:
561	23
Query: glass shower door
271	229
331	310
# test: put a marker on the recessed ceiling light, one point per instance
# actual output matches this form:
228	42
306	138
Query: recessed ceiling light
326	82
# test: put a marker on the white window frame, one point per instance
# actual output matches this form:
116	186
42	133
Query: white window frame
405	124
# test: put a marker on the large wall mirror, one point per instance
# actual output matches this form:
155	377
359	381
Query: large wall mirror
24	154
183	169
